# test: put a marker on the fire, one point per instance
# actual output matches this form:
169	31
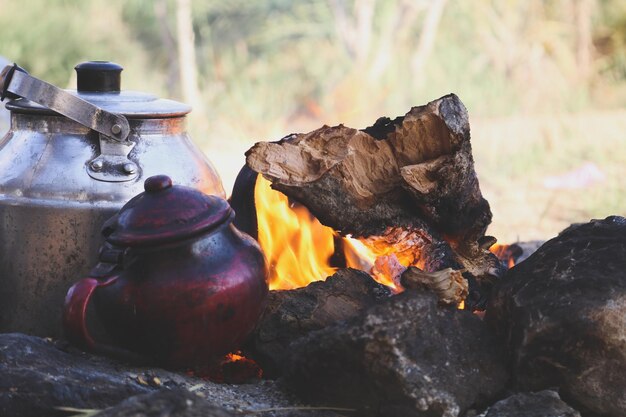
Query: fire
298	247
360	256
504	253
233	357
234	368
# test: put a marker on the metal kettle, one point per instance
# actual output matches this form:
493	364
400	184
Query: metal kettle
71	160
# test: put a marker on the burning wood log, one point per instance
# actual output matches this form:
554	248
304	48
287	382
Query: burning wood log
448	284
361	182
408	184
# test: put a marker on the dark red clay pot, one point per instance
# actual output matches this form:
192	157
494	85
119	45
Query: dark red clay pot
177	282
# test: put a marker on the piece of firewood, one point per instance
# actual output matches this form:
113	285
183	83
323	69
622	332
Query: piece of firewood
414	169
292	314
448	284
403	182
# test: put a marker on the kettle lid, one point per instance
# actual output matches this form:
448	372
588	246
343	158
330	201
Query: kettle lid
165	213
99	82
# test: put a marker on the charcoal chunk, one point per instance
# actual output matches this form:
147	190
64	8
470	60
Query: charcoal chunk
39	376
562	313
292	314
405	357
537	404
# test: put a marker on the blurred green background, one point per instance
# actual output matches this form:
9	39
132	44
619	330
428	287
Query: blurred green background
544	80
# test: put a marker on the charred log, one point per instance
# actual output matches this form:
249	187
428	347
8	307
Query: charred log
405	356
423	165
408	182
562	313
293	314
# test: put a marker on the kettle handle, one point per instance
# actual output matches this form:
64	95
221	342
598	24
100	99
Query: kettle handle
75	311
16	82
75	323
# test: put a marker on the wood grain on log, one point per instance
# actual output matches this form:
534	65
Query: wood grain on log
448	284
425	155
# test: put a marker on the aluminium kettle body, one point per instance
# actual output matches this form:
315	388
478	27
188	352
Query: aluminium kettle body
71	160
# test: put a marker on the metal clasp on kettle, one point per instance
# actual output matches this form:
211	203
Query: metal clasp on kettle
112	164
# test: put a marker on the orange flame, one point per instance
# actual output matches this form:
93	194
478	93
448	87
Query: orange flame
298	247
296	244
503	253
360	256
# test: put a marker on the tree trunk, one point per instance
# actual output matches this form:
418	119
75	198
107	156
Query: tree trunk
583	11
187	54
428	36
169	43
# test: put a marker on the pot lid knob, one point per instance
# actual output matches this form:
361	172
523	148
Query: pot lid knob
157	183
99	76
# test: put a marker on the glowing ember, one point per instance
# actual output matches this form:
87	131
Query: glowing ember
384	269
504	253
233	357
399	243
234	368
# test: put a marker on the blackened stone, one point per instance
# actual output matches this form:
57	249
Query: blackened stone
294	313
166	403
406	357
182	403
538	404
38	375
563	315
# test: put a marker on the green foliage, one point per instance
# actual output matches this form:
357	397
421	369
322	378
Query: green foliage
39	35
270	67
276	58
611	39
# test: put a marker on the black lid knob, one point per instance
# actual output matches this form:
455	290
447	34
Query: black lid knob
101	76
157	183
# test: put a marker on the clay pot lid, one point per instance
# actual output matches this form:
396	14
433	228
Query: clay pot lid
165	213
